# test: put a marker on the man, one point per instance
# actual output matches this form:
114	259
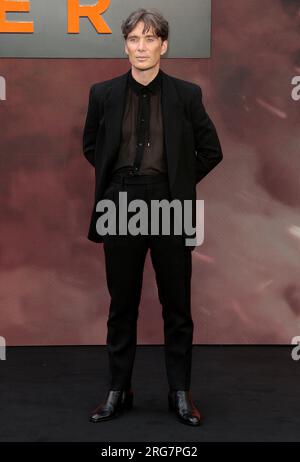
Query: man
148	134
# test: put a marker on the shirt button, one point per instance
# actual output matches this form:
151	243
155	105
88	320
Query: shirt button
144	95
140	144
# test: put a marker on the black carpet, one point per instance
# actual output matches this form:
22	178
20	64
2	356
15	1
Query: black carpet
245	393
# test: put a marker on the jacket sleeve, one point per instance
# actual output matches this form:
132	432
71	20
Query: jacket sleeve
91	127
207	144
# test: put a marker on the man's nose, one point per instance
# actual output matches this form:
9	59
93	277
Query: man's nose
141	46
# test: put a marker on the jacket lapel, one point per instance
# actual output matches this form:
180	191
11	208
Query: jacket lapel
172	114
114	106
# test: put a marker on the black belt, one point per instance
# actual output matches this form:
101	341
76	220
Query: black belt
139	179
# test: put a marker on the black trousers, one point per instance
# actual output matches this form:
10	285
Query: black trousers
172	262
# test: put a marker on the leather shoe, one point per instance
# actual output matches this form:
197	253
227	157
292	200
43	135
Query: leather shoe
116	402
181	402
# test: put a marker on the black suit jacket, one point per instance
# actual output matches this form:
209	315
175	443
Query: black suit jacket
191	141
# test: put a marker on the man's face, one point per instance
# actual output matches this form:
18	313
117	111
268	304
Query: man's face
146	45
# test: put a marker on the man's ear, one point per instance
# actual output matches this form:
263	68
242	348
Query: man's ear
164	47
126	49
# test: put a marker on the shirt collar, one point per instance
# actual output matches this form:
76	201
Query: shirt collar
138	87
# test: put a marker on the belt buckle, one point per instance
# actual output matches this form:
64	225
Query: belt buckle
132	173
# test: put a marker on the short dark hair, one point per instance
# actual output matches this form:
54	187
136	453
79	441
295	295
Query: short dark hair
150	17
